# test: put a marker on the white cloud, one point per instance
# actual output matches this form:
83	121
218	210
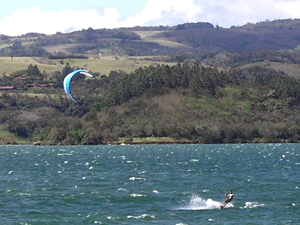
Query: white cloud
34	20
222	12
238	12
158	12
225	13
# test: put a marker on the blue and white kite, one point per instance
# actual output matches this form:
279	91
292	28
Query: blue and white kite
68	79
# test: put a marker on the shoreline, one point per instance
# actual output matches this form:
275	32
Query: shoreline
148	143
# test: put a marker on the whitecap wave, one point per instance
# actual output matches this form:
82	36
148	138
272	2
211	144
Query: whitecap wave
137	195
135	178
122	189
144	216
253	205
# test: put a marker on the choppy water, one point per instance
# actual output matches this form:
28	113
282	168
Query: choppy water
151	184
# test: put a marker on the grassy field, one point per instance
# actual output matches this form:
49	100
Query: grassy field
150	36
103	65
9	65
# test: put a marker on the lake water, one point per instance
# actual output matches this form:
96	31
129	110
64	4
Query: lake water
150	184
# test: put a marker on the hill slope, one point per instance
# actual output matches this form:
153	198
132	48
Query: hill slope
180	103
141	41
187	83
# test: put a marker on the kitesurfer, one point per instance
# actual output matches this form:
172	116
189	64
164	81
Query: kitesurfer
230	197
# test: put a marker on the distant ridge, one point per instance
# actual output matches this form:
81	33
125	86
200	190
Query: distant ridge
188	38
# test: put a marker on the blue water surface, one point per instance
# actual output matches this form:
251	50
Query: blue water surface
150	184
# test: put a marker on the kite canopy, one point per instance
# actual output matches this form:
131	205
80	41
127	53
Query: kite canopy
68	79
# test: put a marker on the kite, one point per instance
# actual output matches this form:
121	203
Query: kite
68	79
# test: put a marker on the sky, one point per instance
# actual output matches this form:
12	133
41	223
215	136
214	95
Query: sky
19	17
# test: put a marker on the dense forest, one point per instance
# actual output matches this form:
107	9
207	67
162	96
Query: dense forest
215	93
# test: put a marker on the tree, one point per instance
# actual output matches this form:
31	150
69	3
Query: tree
67	69
17	49
34	72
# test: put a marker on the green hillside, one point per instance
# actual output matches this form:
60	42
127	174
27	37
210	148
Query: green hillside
179	103
190	38
191	83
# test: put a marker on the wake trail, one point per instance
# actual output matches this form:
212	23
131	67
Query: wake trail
198	203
